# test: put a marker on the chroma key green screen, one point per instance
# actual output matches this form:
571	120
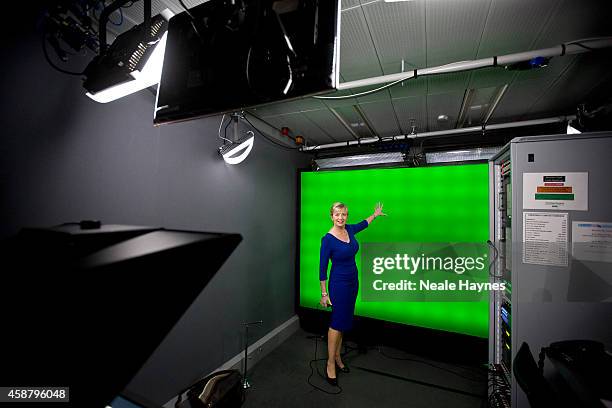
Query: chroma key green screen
424	204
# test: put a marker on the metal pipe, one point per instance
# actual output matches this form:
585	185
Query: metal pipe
559	50
369	140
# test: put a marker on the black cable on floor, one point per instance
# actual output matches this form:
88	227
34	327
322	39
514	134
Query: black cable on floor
482	379
316	339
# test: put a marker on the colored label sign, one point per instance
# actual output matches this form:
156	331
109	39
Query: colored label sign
554	196
554	178
554	189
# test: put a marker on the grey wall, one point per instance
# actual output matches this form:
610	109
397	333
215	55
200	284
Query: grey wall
67	158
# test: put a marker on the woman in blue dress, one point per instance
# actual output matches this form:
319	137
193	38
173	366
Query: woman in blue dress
340	245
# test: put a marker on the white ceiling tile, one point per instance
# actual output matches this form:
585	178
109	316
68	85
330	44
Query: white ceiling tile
411	111
494	76
448	104
329	124
574	20
359	125
444	83
398	31
412	87
454	29
357	54
519	97
382	117
513	26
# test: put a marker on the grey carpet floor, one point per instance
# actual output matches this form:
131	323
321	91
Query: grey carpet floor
381	377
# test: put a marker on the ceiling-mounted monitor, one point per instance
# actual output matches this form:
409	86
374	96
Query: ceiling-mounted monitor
227	55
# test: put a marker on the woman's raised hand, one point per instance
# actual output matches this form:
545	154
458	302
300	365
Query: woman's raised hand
378	211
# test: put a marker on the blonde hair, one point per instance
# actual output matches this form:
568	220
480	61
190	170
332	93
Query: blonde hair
339	205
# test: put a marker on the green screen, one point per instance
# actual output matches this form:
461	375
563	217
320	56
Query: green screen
425	204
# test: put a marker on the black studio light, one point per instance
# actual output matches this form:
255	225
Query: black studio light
133	61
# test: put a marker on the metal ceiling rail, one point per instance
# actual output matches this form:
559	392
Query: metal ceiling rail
555	119
572	47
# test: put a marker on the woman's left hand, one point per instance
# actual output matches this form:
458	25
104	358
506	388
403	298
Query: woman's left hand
378	211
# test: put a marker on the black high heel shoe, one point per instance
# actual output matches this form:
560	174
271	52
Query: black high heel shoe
331	381
344	369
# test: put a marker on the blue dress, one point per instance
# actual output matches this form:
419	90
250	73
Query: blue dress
343	282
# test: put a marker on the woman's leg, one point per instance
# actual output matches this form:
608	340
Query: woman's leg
337	356
332	343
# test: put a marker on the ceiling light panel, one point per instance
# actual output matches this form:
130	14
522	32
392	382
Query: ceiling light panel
361	160
483	153
479	104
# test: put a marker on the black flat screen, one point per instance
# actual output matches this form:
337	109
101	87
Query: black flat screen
226	55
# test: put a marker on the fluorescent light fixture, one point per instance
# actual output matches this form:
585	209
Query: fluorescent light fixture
480	153
235	153
149	76
360	160
572	130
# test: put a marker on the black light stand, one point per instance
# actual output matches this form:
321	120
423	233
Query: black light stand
245	381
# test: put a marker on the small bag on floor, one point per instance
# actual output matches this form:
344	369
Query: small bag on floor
222	389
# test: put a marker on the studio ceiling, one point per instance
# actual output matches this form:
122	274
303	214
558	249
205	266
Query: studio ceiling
377	36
